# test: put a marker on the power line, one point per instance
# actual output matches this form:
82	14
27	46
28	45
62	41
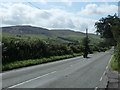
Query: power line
33	5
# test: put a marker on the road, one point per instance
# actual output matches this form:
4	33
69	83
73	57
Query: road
75	72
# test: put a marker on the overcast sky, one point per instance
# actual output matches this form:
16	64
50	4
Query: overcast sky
69	15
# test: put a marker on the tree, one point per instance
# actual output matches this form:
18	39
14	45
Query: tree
109	28
105	27
116	30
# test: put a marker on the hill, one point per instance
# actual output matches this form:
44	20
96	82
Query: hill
53	35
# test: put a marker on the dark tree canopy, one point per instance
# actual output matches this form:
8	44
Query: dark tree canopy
104	26
108	28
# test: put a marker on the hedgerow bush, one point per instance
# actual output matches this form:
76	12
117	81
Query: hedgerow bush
117	53
14	49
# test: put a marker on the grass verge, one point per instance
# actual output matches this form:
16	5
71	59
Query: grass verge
30	62
114	64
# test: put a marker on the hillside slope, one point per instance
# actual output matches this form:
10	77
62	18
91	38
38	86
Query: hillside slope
55	35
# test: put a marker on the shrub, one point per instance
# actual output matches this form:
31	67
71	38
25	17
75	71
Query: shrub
117	53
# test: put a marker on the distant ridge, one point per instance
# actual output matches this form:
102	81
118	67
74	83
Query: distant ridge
33	29
55	34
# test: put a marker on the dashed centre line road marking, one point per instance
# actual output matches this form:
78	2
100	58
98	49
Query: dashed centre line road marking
31	80
52	73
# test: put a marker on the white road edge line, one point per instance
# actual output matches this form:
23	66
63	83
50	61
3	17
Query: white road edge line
110	60
105	70
31	79
106	67
104	73
101	79
102	76
109	63
96	88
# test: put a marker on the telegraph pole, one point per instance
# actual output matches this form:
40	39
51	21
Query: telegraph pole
86	44
86	33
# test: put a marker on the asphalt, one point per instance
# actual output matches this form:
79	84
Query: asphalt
69	73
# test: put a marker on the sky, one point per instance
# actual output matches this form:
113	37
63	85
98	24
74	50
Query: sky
65	14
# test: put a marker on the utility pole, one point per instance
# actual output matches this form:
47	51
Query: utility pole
86	44
86	33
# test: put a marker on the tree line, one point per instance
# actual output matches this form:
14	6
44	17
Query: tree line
109	29
21	49
17	49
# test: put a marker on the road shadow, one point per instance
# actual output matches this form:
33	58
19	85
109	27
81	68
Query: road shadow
87	57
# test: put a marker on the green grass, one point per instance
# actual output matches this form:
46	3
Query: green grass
70	37
114	64
30	62
26	36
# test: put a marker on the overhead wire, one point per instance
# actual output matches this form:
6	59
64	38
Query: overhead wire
33	5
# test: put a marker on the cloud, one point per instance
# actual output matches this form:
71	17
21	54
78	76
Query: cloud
44	1
94	9
21	14
67	2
